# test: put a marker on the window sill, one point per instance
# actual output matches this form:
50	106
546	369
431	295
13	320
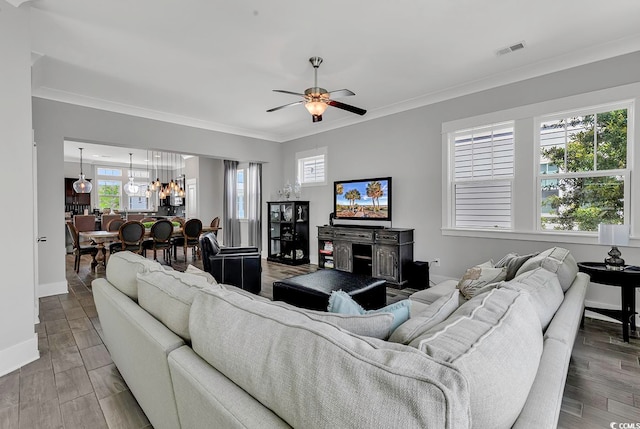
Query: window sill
546	236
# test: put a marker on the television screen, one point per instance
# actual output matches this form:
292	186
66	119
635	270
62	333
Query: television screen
365	199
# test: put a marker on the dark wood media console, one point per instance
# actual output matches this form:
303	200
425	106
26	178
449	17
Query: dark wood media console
383	253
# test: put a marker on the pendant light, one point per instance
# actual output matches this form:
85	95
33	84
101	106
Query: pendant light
147	193
162	193
182	179
157	184
82	186
131	188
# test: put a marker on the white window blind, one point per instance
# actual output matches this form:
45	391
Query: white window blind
482	176
311	169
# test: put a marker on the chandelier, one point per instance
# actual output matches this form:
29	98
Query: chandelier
82	185
131	188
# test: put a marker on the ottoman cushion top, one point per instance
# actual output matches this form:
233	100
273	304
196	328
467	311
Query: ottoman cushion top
326	281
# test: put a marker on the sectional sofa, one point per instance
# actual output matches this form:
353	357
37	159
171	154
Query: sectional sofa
196	354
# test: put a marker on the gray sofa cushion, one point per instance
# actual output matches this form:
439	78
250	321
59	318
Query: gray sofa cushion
167	296
430	295
122	269
288	358
544	291
425	320
492	340
558	261
512	262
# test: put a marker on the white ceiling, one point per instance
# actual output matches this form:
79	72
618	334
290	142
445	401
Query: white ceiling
114	155
213	64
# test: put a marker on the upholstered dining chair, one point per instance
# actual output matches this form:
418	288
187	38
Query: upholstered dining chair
161	232
114	224
215	223
84	222
131	235
190	234
80	249
107	218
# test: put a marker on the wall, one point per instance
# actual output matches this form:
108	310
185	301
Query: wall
408	147
55	121
210	188
18	340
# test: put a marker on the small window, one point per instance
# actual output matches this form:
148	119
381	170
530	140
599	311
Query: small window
109	192
483	159
311	167
241	198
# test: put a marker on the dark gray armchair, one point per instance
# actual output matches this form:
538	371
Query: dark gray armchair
237	266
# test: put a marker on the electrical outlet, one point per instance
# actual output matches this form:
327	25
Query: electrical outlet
436	262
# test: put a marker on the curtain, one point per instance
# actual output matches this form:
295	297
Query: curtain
254	204
231	228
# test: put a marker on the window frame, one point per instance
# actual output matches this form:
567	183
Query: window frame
492	180
116	178
527	163
301	157
625	173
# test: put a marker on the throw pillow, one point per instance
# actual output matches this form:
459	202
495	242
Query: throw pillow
425	320
513	262
558	261
342	302
544	290
479	279
198	272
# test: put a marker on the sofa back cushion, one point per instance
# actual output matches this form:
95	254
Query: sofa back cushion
123	268
558	261
420	323
496	342
283	359
544	290
167	296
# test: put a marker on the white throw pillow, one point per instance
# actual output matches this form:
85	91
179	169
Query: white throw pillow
480	278
544	290
425	320
198	272
122	269
558	261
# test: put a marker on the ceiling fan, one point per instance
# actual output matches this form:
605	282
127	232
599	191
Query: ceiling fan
317	99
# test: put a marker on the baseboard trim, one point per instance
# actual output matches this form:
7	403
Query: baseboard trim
19	355
597	304
48	289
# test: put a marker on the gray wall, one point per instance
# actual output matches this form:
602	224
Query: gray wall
18	341
55	121
408	147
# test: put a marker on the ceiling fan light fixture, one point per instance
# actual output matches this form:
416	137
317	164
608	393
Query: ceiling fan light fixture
316	108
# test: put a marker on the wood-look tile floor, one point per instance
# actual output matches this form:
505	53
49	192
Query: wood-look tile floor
75	384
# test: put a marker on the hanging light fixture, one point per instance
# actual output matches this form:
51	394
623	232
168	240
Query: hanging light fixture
162	195
82	185
131	188
157	183
172	184
182	178
147	193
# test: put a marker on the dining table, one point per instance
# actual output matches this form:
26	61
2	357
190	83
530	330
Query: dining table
102	238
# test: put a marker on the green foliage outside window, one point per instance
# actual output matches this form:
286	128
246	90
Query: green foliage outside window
595	143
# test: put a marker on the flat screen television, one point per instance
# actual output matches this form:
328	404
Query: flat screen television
363	199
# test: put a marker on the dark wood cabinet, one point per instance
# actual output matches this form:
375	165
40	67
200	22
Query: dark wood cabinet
384	253
289	232
73	201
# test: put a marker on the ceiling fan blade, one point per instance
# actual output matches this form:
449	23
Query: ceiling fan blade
348	108
288	92
341	93
286	105
316	118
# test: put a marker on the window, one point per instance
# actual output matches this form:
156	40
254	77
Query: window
241	198
109	192
139	200
311	167
583	169
483	159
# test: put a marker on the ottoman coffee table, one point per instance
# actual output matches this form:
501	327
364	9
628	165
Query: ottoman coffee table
313	290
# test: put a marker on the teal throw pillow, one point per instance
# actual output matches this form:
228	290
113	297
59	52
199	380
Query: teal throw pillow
341	302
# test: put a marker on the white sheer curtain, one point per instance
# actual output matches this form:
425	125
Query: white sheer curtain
231	228
253	184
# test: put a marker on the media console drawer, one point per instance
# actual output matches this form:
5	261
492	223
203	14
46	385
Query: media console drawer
355	235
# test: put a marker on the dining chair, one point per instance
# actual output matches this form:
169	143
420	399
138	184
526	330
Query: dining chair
106	218
130	235
84	222
80	249
114	224
161	232
190	234
215	223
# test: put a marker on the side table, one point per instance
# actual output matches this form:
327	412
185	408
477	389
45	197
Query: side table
628	280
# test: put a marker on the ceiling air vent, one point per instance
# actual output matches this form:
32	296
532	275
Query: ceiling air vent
509	49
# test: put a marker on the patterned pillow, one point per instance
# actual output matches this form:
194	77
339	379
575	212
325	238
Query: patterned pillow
513	262
480	278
